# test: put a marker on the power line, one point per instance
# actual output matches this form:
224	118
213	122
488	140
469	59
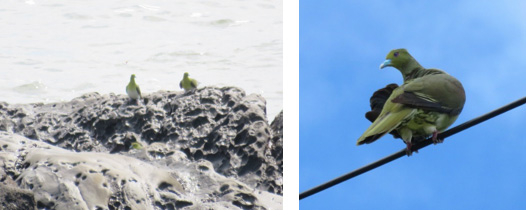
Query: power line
417	146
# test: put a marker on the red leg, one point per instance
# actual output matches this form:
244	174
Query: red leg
408	149
435	139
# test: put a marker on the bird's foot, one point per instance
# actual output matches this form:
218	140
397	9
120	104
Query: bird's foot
435	138
408	149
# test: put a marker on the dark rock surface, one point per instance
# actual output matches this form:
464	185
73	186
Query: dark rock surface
16	198
215	142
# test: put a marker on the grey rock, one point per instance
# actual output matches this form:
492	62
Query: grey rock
14	198
207	149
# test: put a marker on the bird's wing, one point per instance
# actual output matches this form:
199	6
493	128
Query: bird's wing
138	90
441	93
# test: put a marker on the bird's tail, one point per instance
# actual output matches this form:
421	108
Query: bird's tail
377	102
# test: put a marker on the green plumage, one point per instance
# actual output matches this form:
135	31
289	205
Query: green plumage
188	83
133	90
136	145
428	102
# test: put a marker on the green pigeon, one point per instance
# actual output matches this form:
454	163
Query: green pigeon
136	145
428	102
188	83
133	90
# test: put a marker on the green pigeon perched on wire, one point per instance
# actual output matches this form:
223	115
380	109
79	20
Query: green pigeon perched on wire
428	102
188	83
133	90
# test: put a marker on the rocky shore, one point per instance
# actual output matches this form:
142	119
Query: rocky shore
212	148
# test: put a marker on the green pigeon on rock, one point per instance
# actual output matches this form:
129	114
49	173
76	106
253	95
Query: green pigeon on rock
428	102
133	90
188	83
136	145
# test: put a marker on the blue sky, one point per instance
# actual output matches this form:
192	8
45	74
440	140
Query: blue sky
481	43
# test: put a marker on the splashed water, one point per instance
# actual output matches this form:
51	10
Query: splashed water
56	50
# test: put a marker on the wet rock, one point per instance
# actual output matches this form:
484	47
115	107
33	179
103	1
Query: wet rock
196	141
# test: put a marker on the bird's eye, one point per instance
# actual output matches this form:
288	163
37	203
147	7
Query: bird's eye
395	54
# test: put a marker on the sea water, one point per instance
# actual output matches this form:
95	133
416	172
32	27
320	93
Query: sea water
53	50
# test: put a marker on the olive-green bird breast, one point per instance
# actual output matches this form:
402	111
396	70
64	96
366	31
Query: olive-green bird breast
188	83
133	90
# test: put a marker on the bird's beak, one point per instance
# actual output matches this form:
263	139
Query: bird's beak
385	63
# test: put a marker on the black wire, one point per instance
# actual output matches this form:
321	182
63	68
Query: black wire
415	147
